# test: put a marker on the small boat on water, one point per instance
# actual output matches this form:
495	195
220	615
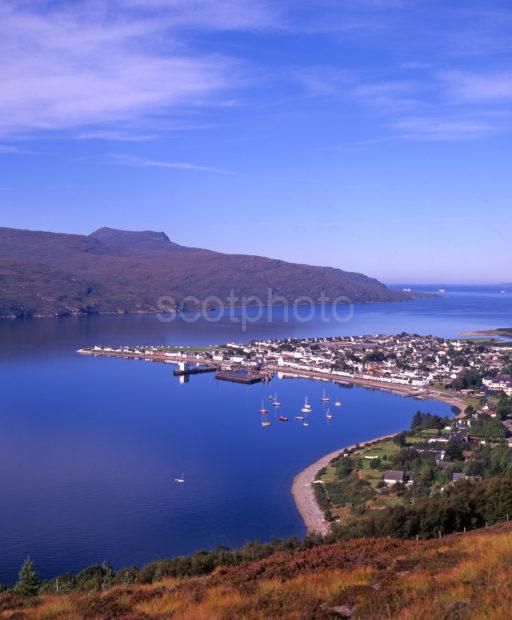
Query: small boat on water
328	415
305	423
300	418
307	406
266	423
275	401
180	480
283	418
337	403
325	398
262	409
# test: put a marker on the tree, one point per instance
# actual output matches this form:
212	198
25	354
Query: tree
375	463
468	379
401	439
422	421
28	580
504	408
454	450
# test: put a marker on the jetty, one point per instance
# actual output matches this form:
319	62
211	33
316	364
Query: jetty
240	376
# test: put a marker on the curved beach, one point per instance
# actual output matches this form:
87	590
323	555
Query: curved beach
304	493
302	487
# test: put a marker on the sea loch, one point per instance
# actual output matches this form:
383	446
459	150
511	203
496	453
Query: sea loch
90	447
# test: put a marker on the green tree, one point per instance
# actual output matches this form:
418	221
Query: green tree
454	450
28	580
401	439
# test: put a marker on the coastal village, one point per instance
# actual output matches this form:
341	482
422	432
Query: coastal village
419	363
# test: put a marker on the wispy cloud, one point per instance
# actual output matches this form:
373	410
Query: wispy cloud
6	149
472	87
85	65
115	136
440	129
437	105
121	159
215	14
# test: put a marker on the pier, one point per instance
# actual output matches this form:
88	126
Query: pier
240	376
185	369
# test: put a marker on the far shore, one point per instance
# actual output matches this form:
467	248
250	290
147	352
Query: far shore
502	332
303	484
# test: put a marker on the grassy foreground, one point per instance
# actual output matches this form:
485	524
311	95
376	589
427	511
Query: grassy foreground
458	576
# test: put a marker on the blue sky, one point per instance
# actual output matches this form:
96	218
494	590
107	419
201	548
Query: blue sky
371	135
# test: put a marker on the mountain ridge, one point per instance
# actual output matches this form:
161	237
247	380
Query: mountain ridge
112	271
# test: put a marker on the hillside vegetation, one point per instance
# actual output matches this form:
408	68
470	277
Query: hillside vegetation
113	271
458	576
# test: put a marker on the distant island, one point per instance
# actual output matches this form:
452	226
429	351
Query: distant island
118	272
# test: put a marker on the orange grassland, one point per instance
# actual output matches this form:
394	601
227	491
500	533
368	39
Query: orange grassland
459	576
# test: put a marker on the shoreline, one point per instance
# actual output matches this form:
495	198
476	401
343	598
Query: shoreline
304	494
302	486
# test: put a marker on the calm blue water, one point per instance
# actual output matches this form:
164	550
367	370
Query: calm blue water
89	447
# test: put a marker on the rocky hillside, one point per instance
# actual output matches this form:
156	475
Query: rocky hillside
114	271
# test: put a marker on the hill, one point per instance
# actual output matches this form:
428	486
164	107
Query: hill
115	271
459	576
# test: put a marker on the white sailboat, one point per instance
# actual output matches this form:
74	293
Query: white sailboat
337	403
180	480
328	414
307	406
265	422
325	398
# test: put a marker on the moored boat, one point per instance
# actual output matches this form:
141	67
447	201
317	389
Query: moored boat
307	406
